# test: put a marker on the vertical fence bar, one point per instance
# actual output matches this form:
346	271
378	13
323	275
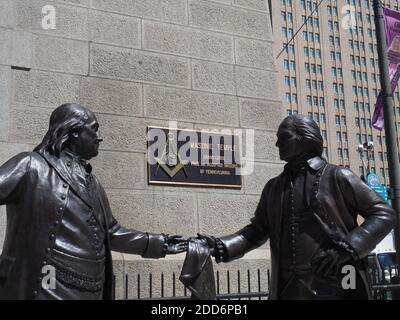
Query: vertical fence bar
138	286
162	284
228	279
259	282
217	282
238	281
126	286
248	282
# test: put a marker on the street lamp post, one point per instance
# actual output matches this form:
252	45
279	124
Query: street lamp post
390	129
366	148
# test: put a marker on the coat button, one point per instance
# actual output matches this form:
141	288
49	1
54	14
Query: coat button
59	209
65	185
48	250
56	223
63	197
35	292
44	262
52	236
69	163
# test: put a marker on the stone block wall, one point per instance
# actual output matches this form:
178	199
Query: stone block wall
204	64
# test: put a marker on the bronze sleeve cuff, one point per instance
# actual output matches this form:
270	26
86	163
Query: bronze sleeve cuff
156	246
236	246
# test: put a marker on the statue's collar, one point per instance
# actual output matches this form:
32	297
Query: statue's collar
316	163
67	156
71	156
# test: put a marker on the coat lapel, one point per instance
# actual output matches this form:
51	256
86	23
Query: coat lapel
313	176
65	173
277	205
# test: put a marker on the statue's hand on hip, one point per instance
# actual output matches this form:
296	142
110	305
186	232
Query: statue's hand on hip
328	262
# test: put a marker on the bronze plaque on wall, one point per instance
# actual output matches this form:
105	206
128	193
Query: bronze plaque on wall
193	158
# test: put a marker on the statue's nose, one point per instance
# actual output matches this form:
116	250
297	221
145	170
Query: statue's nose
99	138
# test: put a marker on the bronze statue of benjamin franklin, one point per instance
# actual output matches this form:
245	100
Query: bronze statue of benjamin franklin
309	214
58	215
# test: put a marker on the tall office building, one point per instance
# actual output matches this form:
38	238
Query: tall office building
330	71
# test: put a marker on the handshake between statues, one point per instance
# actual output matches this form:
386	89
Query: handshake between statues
175	244
324	262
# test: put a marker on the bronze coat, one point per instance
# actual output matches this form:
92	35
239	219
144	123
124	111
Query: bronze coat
38	190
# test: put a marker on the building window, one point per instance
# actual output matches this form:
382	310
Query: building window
286	64
325	152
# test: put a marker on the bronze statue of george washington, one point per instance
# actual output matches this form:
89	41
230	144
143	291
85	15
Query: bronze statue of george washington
309	215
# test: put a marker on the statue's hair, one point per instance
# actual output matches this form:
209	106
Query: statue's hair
307	130
64	120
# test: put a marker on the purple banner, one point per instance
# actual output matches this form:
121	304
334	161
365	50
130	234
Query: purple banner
392	29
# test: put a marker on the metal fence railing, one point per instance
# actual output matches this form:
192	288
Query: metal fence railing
241	285
385	282
244	285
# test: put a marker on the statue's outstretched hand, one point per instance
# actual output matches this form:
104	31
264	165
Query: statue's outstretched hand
175	244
